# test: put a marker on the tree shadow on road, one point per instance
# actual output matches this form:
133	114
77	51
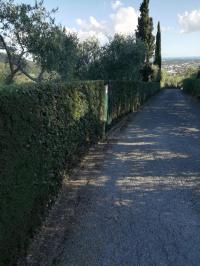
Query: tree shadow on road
141	201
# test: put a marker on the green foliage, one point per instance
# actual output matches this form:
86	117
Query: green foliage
197	89
127	96
169	80
65	55
19	77
147	72
191	73
44	130
156	74
123	58
57	52
120	59
190	82
189	85
158	59
145	30
198	74
192	86
3	72
89	65
29	31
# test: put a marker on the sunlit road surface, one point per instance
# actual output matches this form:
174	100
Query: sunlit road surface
142	205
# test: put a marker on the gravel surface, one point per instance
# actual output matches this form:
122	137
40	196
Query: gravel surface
142	204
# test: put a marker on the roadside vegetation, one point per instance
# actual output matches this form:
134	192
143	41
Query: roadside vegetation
170	81
34	48
53	106
191	84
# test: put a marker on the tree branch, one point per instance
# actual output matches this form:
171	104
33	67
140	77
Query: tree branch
39	78
28	75
8	53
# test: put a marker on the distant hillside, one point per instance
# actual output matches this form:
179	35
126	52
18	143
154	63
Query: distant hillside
31	65
32	68
182	60
181	65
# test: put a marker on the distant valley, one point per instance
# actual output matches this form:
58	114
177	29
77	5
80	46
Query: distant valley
179	66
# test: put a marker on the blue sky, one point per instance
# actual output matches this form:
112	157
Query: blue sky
180	36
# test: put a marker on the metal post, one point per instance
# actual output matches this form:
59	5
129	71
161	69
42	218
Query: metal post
105	114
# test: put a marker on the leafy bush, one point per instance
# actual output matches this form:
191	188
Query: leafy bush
156	75
198	73
42	127
191	83
126	96
44	130
197	88
170	81
188	85
121	59
192	86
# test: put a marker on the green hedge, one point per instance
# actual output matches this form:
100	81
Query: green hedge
192	86
43	131
126	96
197	88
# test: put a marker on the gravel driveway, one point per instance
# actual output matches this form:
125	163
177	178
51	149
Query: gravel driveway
142	205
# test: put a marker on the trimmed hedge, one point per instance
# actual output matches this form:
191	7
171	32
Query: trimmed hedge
42	127
43	131
192	86
126	96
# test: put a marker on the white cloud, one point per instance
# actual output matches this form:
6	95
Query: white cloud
92	24
95	23
166	29
125	20
91	28
116	4
81	23
190	21
84	35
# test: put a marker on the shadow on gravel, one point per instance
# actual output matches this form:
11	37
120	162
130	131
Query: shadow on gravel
141	205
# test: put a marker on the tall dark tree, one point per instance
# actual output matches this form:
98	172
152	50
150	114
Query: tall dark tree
198	74
158	58
144	30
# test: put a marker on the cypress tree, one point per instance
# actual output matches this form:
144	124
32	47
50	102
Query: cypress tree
158	59
145	29
198	74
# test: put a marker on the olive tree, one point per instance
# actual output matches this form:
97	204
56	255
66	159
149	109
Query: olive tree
89	60
29	32
123	58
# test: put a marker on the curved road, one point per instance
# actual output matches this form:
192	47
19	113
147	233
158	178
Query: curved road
142	205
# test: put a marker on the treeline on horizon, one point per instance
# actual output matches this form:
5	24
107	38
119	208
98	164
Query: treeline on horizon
37	49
